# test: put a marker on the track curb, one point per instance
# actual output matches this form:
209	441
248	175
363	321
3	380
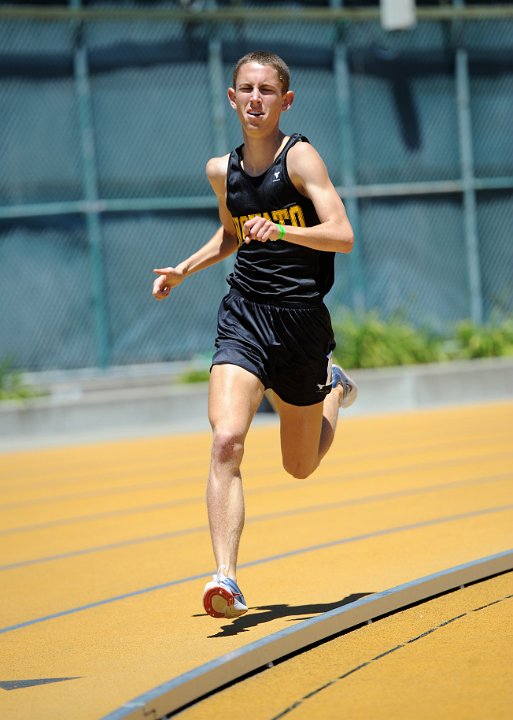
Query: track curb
178	692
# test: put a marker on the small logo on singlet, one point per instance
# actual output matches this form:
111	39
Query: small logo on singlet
276	177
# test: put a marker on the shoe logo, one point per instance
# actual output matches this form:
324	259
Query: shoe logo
276	177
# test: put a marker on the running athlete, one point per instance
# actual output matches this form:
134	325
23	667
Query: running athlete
282	216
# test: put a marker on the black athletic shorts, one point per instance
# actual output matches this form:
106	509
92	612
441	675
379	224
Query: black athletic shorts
288	348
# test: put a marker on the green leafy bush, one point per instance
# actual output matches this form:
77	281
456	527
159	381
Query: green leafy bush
11	384
480	341
195	376
367	341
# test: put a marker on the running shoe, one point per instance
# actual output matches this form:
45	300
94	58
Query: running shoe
222	597
350	388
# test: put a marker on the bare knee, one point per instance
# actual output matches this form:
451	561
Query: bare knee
227	447
298	468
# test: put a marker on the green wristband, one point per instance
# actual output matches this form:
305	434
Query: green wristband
282	232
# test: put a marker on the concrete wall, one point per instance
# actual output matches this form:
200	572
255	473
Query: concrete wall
124	402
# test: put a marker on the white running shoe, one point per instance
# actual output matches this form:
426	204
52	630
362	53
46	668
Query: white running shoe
222	597
350	388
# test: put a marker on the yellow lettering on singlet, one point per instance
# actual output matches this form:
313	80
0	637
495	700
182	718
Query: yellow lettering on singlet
242	220
296	216
280	216
238	230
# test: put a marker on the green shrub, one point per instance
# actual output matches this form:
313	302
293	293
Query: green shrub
11	384
195	376
367	341
480	341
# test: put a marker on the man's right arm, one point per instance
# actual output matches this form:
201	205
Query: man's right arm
222	244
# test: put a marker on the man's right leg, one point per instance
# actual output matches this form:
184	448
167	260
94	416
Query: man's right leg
234	397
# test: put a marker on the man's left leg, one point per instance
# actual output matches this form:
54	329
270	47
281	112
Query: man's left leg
307	432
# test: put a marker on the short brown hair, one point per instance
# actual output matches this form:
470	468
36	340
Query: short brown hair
265	58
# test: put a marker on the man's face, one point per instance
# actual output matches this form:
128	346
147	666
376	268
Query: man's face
258	96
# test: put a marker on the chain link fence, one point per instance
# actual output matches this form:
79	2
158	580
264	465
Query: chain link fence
107	123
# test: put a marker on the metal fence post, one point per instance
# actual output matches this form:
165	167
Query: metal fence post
218	103
467	175
217	96
347	163
90	182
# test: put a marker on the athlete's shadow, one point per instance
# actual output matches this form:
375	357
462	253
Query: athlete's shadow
266	613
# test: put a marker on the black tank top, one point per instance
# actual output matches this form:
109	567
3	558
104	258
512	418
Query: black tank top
275	271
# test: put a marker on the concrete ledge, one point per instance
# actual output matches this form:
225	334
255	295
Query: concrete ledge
88	405
417	386
103	414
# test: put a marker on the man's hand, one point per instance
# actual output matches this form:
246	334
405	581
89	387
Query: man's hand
168	278
258	228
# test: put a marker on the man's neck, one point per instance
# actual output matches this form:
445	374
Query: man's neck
259	153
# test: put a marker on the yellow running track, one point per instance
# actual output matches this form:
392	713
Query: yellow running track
104	549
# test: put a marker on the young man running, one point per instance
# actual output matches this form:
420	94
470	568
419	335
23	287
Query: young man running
280	212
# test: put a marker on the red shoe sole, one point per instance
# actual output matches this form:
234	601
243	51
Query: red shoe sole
209	597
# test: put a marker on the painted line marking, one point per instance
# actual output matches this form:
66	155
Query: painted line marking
21	684
330	683
256	518
377	472
260	561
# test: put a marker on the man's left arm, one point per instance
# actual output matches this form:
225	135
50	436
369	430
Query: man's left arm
309	175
